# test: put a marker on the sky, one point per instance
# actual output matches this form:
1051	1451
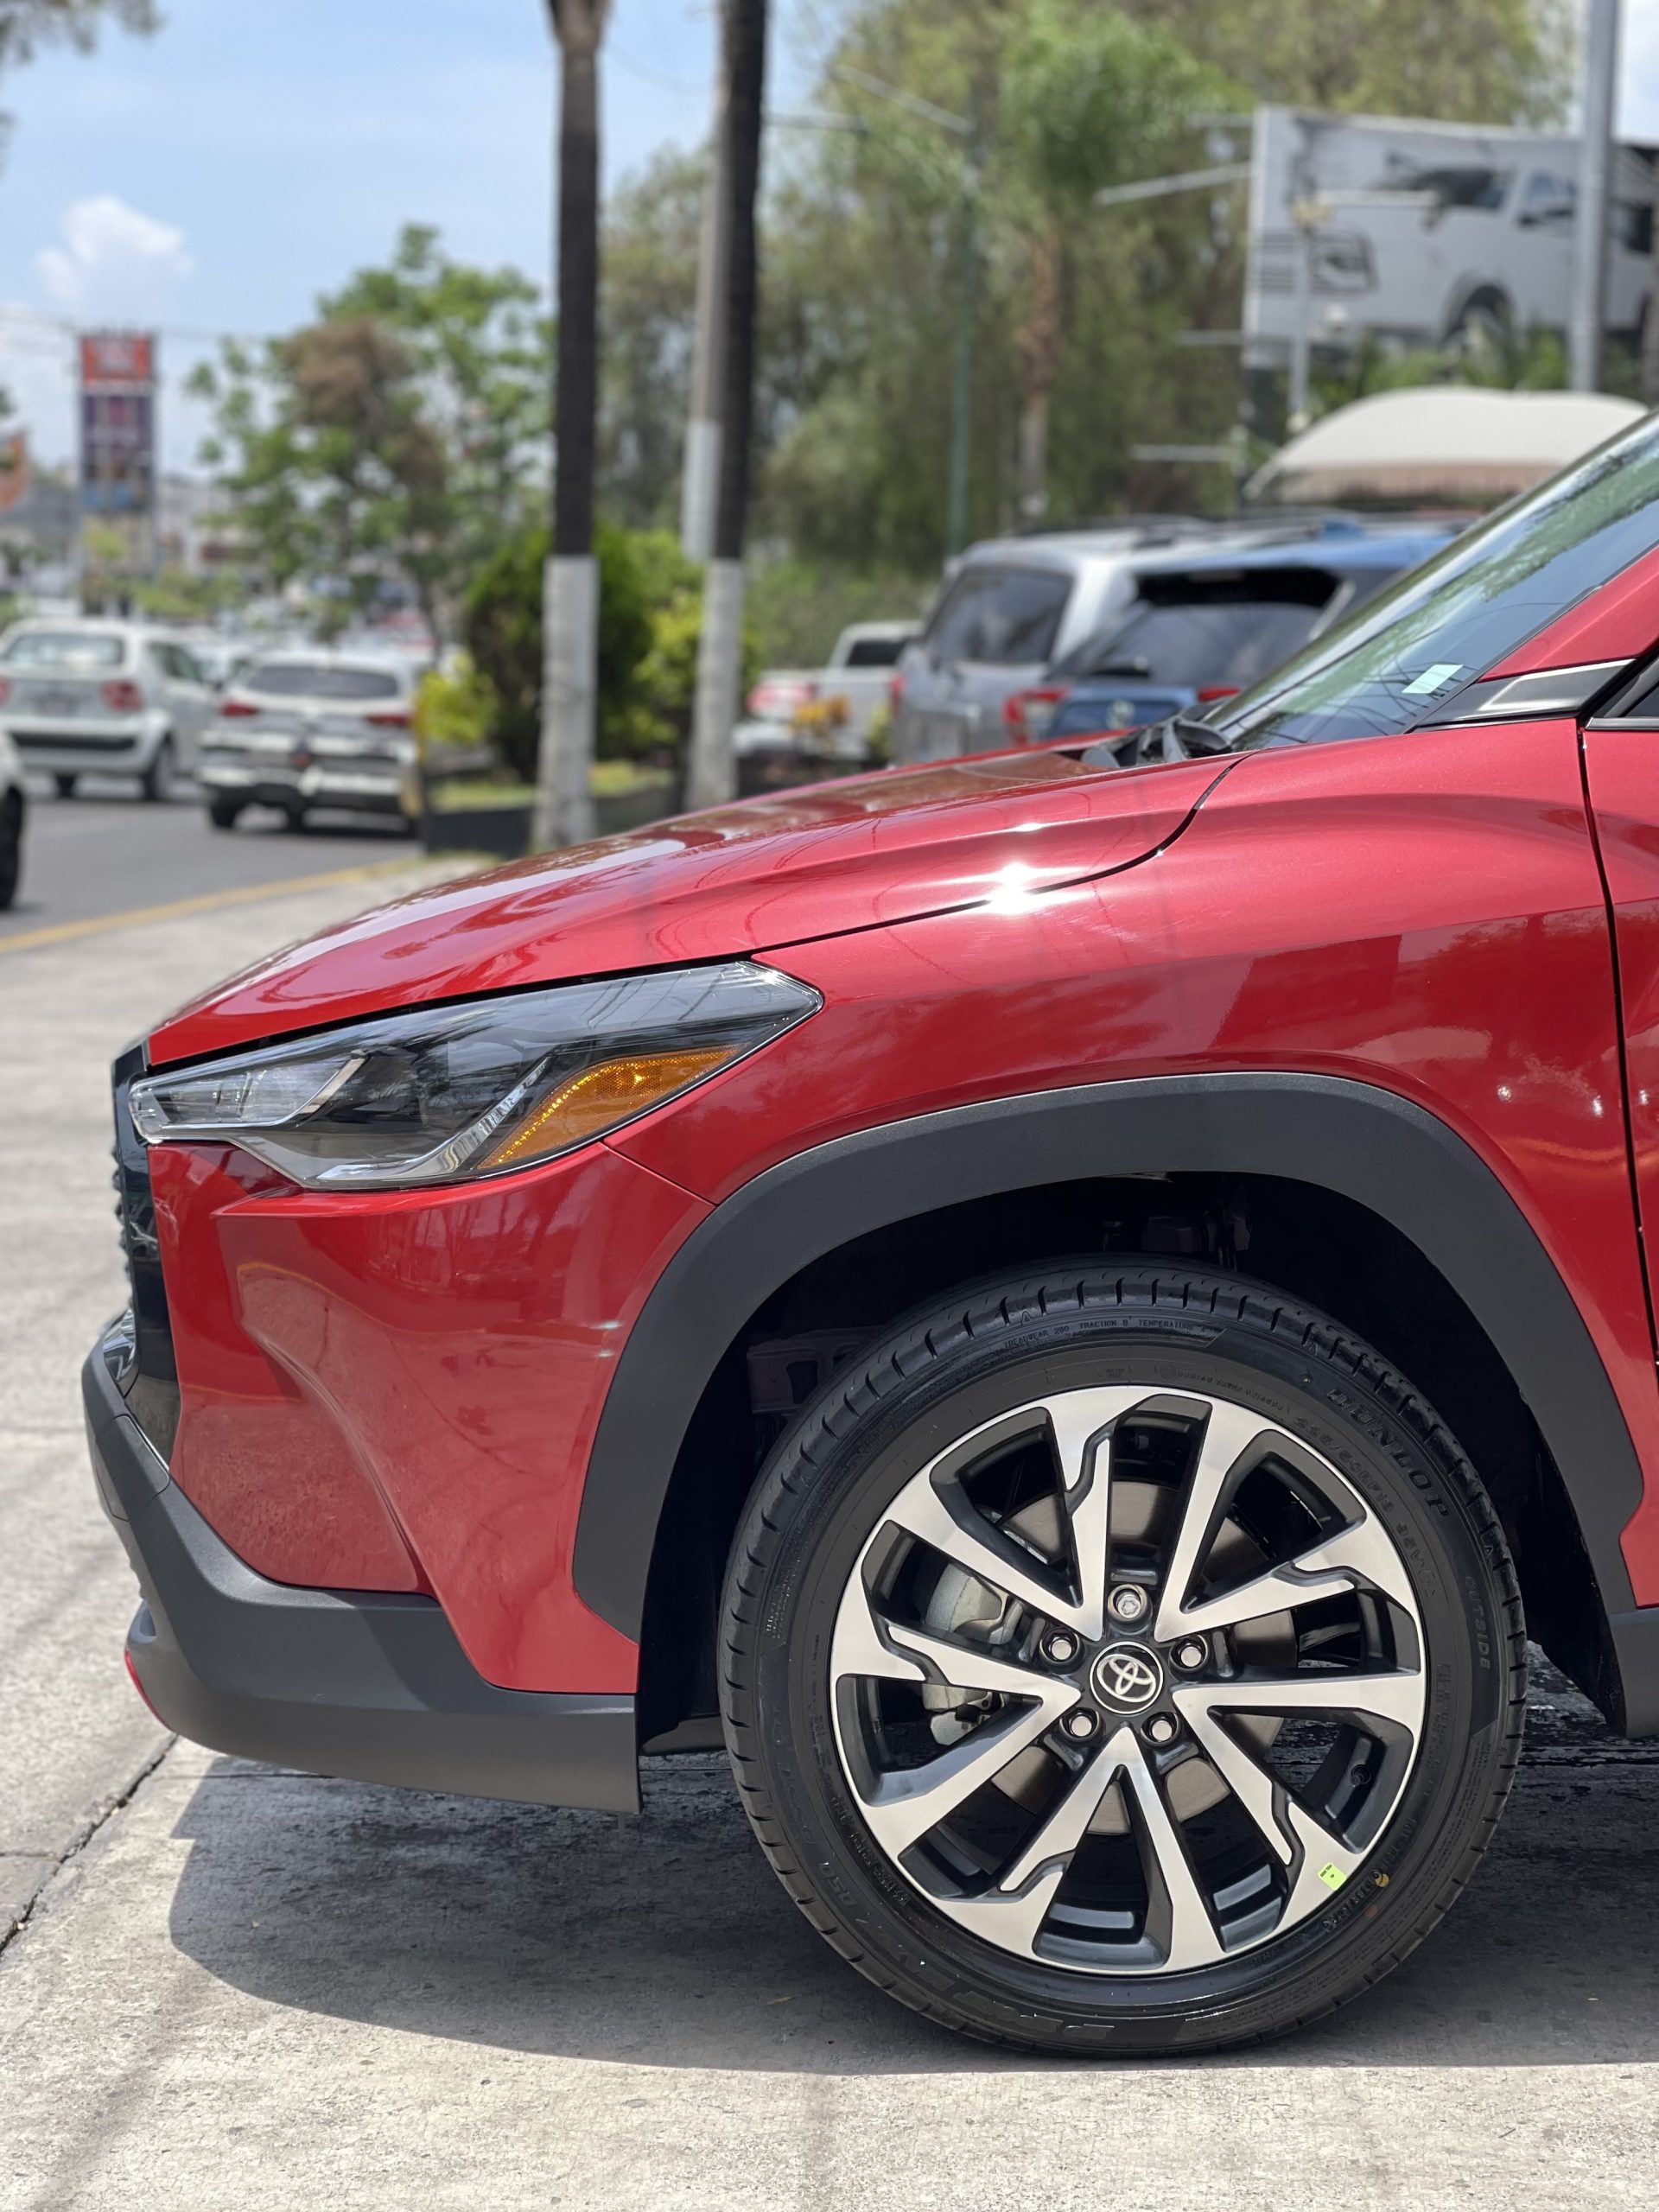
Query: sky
220	175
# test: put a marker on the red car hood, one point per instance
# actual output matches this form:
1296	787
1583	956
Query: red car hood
748	878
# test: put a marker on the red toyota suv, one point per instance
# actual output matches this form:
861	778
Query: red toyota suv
1076	1318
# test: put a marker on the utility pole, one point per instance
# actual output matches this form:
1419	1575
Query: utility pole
710	771
700	485
962	396
565	806
1595	161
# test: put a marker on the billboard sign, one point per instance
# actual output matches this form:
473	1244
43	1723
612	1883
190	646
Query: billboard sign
1418	232
118	422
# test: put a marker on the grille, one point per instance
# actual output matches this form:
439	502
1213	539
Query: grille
149	1379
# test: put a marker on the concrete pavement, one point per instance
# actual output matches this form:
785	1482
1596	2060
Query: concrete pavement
241	1987
73	1739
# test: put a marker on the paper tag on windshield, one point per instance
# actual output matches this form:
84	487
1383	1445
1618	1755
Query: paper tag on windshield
1434	679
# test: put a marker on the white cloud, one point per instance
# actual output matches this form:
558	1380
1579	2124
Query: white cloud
113	261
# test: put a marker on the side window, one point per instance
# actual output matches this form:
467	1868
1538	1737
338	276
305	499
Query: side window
159	658
1548	201
1005	618
874	653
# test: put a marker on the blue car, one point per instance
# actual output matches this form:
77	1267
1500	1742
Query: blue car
1207	623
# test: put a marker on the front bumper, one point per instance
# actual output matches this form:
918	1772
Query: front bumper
366	1684
377	787
119	746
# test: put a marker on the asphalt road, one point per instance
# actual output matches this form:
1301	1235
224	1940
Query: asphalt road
86	859
237	1985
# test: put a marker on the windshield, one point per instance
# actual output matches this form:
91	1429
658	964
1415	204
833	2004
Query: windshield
293	679
1004	618
1449	622
1215	641
66	649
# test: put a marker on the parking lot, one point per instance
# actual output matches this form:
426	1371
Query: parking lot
237	1985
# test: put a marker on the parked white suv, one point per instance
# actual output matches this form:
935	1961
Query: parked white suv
85	696
309	729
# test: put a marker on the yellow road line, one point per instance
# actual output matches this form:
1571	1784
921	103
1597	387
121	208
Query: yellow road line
203	903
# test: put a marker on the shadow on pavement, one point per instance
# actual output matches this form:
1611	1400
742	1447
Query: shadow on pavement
668	1942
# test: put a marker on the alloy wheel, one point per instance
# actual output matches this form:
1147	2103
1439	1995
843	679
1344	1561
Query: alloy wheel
1128	1680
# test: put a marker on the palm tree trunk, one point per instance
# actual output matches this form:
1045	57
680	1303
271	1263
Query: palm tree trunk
564	811
1040	338
711	769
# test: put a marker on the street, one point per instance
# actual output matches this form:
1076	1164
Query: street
235	1985
89	857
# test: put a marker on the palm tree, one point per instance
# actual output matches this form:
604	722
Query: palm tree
564	813
720	646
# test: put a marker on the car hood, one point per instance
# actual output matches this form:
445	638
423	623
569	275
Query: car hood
749	877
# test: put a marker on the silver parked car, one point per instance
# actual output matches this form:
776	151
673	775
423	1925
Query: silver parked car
309	729
80	697
1009	607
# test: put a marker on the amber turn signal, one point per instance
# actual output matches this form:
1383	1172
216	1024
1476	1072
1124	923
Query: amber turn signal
587	1104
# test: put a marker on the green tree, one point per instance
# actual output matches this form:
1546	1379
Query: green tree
860	271
393	438
1091	98
336	473
650	248
1458	60
479	345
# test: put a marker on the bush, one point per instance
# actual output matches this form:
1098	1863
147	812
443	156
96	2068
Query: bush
455	706
502	623
799	608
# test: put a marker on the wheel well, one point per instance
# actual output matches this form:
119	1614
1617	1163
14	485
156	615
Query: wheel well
1314	1244
1480	299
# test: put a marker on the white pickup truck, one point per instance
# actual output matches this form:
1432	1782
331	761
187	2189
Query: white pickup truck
794	712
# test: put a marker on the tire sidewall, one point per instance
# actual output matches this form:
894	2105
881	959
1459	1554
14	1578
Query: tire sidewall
1457	1575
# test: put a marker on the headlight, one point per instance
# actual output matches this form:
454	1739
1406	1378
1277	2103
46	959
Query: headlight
477	1089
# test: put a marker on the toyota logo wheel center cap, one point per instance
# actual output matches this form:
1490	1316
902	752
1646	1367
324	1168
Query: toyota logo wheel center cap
1127	1678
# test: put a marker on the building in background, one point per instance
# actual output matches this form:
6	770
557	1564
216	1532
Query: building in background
195	532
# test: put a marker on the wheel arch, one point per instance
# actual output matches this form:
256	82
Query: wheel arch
1352	1140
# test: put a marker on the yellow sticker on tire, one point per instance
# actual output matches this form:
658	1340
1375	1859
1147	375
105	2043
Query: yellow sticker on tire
1332	1877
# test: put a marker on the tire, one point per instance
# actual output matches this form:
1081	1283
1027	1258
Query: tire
998	1921
294	817
1484	324
11	848
64	783
224	812
155	783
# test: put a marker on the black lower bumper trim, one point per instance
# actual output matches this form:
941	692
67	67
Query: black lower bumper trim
371	1685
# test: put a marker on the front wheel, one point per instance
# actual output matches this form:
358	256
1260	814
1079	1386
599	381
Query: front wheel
223	812
64	783
1121	1660
156	781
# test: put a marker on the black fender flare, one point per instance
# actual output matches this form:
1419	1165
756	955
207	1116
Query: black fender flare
1353	1138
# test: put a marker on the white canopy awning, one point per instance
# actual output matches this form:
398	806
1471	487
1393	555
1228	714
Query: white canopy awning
1438	443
